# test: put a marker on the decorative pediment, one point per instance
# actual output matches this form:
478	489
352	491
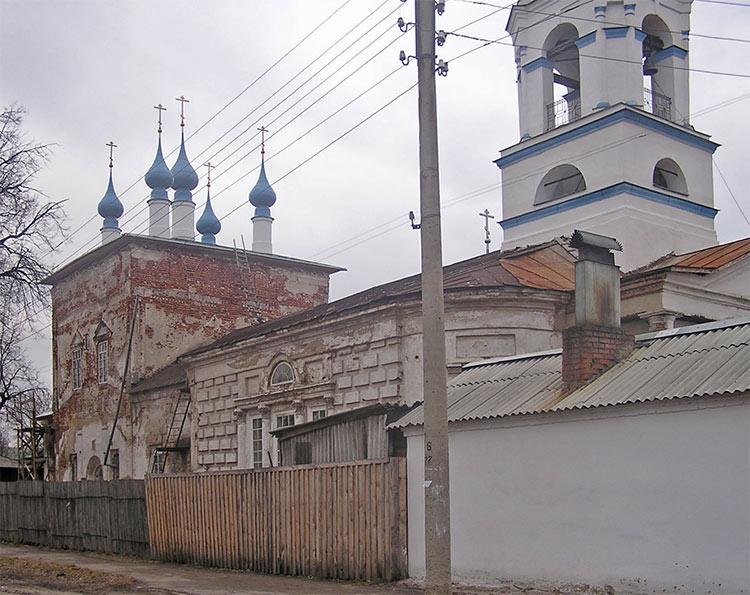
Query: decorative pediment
102	332
79	341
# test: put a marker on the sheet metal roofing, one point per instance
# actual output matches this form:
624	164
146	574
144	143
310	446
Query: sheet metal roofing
548	266
705	260
690	362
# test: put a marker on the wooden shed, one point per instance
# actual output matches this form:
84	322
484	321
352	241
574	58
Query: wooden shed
356	435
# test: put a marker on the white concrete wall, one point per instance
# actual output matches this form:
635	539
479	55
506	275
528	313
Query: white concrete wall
648	497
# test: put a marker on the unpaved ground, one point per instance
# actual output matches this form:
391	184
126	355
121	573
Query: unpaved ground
18	575
37	571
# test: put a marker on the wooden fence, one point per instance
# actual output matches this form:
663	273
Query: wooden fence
345	521
103	516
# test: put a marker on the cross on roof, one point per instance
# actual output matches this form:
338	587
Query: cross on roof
210	167
263	131
182	101
111	146
487	218
161	109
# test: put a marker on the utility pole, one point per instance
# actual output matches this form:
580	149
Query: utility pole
436	485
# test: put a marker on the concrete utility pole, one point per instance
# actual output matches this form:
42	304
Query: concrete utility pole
436	486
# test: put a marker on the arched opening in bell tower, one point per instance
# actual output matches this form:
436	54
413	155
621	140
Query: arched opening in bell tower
657	83
561	52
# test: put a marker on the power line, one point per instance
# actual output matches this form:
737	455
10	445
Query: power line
138	212
589	20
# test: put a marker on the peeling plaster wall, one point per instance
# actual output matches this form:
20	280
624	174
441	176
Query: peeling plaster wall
352	360
188	296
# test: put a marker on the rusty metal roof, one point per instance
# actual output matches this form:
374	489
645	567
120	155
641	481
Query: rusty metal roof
548	266
707	259
690	362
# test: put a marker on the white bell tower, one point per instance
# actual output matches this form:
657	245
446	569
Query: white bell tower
606	144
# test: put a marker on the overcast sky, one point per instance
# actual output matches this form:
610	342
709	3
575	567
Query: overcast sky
90	72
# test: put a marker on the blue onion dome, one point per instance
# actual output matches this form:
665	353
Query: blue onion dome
185	177
110	206
208	225
158	177
262	197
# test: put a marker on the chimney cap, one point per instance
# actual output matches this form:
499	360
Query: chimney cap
586	238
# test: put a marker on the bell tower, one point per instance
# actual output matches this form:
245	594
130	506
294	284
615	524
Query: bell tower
606	143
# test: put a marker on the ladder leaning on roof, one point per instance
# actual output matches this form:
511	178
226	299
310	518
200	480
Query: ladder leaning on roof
248	286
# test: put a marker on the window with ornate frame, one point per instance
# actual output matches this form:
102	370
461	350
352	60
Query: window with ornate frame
282	374
102	360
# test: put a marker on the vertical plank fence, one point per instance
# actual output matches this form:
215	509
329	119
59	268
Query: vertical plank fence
101	516
345	521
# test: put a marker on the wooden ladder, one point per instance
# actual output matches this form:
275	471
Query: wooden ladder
176	425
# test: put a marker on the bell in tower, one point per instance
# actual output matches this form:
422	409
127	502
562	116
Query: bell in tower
605	140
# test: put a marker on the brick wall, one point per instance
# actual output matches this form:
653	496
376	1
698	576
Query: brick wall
590	350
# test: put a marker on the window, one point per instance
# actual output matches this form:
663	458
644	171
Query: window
73	467
282	421
282	374
77	368
102	360
318	414
560	181
257	438
114	463
668	176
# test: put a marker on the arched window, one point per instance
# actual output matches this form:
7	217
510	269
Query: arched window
669	176
94	469
282	374
560	181
561	51
656	81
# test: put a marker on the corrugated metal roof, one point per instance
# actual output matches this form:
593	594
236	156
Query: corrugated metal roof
698	361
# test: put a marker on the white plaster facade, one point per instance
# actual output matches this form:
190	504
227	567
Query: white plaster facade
371	354
614	160
647	497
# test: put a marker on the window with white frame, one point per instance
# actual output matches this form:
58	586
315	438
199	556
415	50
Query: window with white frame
257	442
318	413
283	420
77	368
102	360
282	374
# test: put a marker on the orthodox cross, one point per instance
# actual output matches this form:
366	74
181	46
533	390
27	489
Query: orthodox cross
111	146
263	131
182	101
161	109
487	218
210	167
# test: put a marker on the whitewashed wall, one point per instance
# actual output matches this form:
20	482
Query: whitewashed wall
647	497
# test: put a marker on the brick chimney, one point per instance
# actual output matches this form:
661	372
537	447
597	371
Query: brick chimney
596	342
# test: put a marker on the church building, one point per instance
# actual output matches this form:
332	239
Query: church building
125	310
172	354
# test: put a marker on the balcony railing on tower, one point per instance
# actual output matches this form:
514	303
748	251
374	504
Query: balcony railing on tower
564	111
568	109
657	104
